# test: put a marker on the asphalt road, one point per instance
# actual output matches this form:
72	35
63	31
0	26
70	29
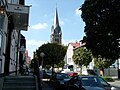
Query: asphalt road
46	86
116	84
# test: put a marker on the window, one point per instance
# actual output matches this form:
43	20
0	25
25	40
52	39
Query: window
69	60
1	21
103	82
13	1
1	27
0	42
22	2
0	66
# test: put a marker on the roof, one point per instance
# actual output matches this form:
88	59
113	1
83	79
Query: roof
75	45
56	21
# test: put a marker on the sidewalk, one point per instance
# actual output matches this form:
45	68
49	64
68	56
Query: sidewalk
116	83
1	82
45	85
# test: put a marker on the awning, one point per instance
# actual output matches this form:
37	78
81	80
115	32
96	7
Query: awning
20	15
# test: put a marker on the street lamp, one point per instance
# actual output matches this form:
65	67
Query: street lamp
42	55
40	68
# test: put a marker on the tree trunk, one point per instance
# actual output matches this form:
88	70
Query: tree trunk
80	70
102	72
52	69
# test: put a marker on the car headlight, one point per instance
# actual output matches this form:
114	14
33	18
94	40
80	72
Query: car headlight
113	88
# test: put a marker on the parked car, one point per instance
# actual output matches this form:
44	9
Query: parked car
47	73
89	72
89	82
72	74
58	80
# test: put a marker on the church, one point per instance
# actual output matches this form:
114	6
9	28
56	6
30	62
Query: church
56	34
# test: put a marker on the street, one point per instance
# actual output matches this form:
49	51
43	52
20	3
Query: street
46	85
116	84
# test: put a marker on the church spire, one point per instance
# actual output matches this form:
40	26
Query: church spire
56	20
56	34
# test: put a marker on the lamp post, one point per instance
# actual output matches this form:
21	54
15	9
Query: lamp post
40	68
42	55
118	61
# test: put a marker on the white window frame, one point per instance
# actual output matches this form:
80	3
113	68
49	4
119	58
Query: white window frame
13	1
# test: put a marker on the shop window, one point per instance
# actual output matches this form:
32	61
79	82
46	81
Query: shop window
0	43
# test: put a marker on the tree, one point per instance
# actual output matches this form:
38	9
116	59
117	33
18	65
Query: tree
102	63
54	54
82	56
60	64
102	19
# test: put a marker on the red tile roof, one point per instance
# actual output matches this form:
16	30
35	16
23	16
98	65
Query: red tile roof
75	45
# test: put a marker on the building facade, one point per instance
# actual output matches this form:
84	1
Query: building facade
3	34
68	57
56	34
14	15
113	70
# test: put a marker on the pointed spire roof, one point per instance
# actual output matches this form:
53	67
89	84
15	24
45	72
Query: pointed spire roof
56	21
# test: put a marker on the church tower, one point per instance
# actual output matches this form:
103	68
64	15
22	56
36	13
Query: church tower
56	34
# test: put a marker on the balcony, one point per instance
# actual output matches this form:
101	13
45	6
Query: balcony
20	15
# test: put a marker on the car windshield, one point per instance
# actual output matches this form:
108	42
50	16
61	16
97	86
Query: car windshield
90	81
62	76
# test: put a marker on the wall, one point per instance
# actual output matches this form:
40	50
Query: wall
3	43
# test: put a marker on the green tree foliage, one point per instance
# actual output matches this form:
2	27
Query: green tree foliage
102	19
82	56
54	53
60	64
102	63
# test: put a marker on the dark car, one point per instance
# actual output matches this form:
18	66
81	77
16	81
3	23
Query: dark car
71	74
88	83
58	80
47	73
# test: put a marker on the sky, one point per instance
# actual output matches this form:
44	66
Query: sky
41	17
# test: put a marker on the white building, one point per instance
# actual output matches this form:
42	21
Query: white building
68	57
112	71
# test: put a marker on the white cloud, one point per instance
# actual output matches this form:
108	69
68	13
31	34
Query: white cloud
62	22
39	26
34	42
32	45
45	15
78	12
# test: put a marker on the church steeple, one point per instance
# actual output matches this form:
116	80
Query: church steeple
56	34
56	20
